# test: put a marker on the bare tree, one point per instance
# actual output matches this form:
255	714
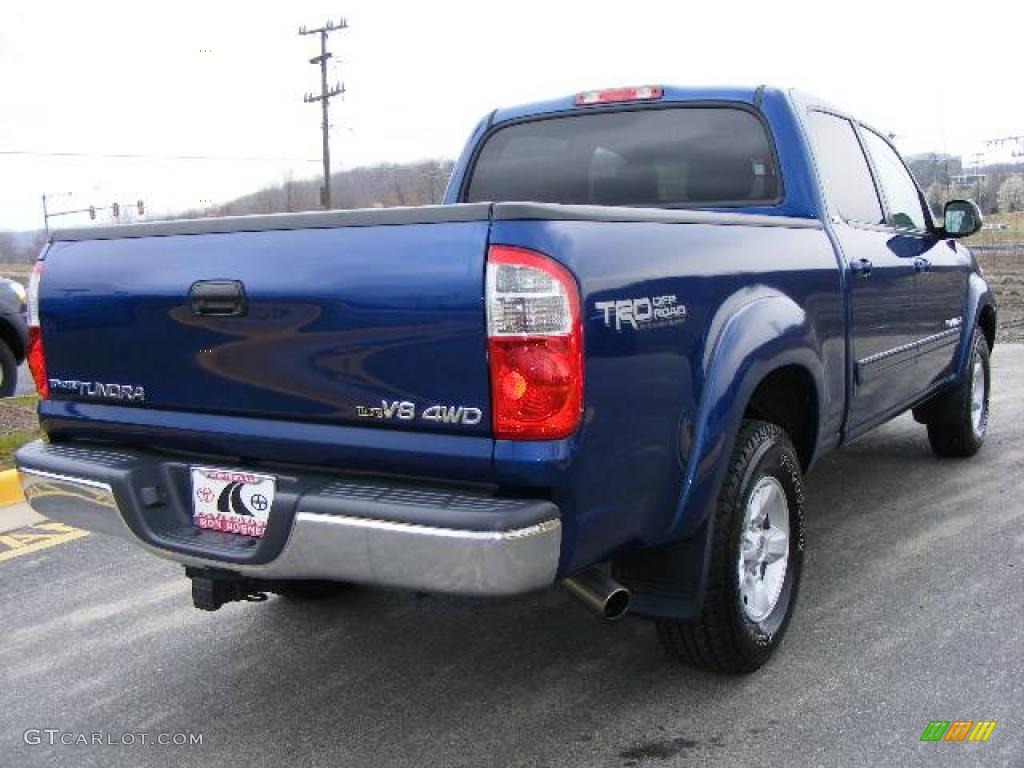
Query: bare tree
1011	194
366	187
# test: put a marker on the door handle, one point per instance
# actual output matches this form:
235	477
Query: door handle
861	267
218	298
922	264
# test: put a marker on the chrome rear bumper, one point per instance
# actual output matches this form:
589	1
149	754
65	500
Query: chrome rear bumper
336	542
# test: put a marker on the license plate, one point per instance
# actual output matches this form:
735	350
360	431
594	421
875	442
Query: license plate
232	501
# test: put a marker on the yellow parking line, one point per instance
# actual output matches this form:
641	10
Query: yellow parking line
34	538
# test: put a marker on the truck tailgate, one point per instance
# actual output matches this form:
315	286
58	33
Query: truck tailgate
339	324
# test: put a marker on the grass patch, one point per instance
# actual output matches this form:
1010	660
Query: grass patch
12	442
1013	234
18	425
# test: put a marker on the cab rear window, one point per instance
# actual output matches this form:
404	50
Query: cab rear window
667	158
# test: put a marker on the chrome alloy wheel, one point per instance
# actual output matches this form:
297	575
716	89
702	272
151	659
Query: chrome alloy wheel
978	387
764	549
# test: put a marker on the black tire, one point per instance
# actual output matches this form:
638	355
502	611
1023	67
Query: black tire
952	430
8	371
308	591
724	638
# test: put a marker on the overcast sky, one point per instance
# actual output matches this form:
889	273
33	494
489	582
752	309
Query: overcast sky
225	80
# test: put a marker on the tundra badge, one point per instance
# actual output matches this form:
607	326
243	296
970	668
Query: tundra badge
128	392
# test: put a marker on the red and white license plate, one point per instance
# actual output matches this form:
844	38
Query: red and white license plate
231	500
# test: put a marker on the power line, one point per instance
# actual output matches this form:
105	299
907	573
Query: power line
141	156
1004	140
324	98
1017	141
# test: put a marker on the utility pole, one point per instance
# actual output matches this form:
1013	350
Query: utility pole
47	215
324	98
978	157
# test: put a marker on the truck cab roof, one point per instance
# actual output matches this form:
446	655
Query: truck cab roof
671	93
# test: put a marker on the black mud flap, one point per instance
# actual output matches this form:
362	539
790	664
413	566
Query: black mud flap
667	582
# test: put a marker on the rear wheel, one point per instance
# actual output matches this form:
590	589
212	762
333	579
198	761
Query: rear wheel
756	558
958	422
8	371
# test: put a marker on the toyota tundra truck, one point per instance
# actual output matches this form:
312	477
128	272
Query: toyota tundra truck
606	361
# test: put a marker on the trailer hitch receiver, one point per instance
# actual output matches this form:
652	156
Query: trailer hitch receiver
211	588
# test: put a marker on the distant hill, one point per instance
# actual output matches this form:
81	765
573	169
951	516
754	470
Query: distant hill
378	186
21	247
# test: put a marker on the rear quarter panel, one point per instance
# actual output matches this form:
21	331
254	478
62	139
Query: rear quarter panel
663	401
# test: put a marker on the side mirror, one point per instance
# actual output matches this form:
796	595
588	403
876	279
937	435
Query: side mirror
961	218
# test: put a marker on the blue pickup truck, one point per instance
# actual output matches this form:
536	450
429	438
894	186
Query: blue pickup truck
607	361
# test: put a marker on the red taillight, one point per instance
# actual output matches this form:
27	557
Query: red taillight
36	360
535	346
617	95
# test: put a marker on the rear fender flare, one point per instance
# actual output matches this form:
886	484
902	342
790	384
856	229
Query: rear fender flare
756	331
979	297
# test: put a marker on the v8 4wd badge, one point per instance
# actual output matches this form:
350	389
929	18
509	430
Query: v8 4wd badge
406	411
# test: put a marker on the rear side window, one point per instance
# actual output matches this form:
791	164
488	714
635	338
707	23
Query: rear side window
904	202
674	157
841	161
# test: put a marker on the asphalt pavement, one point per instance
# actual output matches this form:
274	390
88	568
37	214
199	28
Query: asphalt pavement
910	612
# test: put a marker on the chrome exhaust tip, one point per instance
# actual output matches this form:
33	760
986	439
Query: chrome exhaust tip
599	592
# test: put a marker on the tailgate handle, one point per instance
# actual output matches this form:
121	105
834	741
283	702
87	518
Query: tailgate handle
218	298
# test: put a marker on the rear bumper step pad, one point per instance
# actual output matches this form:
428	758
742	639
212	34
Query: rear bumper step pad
422	537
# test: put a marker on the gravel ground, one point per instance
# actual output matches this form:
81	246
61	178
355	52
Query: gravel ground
17	414
1004	271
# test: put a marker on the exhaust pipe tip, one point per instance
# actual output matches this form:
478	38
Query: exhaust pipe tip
600	592
616	605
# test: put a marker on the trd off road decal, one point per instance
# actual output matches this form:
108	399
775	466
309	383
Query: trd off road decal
643	313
